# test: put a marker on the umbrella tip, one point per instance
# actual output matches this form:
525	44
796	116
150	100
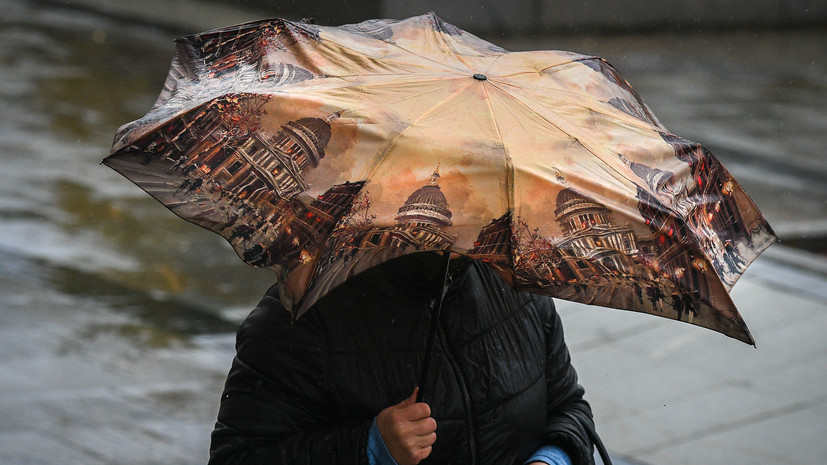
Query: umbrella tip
480	77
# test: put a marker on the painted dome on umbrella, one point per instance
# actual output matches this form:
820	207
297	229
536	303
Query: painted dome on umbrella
312	136
426	205
576	211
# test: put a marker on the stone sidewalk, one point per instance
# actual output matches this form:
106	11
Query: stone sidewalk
94	386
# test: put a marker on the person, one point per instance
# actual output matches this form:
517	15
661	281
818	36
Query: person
337	386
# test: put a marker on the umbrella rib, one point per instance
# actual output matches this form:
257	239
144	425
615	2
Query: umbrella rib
545	89
509	187
342	76
354	84
426	58
516	117
539	71
488	68
386	104
456	55
389	83
536	71
615	114
357	52
582	58
558	127
411	123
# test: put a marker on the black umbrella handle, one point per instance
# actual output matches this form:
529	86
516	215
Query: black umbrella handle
436	308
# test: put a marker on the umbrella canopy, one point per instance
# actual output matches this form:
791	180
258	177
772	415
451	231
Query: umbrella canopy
321	151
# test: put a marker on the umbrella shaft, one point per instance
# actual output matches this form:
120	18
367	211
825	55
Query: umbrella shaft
436	308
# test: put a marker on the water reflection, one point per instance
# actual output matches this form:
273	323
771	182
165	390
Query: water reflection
68	79
168	316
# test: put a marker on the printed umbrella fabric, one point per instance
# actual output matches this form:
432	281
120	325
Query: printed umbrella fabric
321	151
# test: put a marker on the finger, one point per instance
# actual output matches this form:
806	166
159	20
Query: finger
416	411
411	399
423	427
415	443
423	453
425	441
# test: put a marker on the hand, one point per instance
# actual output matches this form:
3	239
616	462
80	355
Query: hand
408	430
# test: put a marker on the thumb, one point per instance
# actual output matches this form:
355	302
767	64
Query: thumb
410	400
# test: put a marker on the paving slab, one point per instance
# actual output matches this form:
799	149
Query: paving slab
32	448
786	438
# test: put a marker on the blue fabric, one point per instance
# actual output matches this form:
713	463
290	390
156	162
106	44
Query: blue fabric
378	453
552	455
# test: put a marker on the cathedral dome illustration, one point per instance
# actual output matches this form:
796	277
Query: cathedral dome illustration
311	134
576	211
426	205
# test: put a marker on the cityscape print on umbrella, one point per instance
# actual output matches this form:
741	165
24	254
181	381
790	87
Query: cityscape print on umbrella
595	260
296	144
223	172
357	243
714	206
248	55
233	179
598	261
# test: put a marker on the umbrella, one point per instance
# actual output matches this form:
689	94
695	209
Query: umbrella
319	152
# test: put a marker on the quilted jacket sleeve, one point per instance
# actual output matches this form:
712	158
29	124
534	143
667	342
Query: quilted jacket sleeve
273	408
569	417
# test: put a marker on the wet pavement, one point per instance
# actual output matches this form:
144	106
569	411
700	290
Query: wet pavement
117	318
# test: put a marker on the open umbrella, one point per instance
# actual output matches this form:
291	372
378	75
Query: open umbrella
321	151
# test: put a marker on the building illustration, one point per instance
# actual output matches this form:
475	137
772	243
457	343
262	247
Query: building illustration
220	157
588	232
227	50
706	203
253	166
591	248
302	230
418	226
493	244
675	254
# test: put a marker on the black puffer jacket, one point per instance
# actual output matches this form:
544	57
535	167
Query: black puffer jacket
306	393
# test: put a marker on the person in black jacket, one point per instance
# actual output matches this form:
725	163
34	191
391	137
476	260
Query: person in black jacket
501	386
